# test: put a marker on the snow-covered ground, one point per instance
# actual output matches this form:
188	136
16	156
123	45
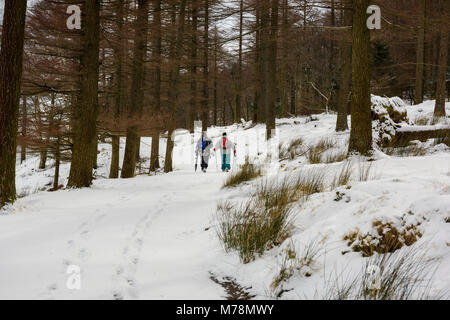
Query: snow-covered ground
153	237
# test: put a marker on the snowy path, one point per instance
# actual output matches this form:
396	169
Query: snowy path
142	238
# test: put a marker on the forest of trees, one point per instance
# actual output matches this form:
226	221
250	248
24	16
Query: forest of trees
143	68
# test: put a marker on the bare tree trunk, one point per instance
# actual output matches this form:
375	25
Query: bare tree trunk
120	88
272	70
346	73
262	26
136	92
24	124
237	116
420	51
361	124
154	157
205	107
284	61
43	158
114	170
192	106
174	83
10	74
439	109
57	164
216	48
85	114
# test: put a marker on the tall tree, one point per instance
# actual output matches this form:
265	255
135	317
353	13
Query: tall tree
439	109
205	101
174	74
192	105
420	52
237	113
11	60
271	69
345	57
86	108
216	69
264	58
136	98
361	123
119	102
156	57
24	124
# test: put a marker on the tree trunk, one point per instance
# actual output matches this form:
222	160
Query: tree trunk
43	158
346	73
23	147
205	107
216	48
262	27
136	99
175	54
271	70
11	58
420	51
85	113
439	109
192	106
120	89
284	81
57	165
154	159
361	123
156	54
114	170
237	117
95	154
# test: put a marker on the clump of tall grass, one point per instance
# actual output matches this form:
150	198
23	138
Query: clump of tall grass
316	151
337	156
294	262
291	188
343	176
365	169
415	150
265	219
404	275
293	150
252	227
246	172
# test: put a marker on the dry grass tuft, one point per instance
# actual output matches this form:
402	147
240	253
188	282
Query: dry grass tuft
293	150
253	227
246	172
316	151
343	176
387	240
292	263
406	274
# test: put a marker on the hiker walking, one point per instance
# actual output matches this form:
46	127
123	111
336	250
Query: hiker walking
225	146
203	149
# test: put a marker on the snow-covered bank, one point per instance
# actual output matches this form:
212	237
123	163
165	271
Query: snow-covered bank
153	237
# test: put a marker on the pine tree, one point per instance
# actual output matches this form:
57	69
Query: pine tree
345	57
439	109
175	55
86	105
361	122
156	56
11	60
136	100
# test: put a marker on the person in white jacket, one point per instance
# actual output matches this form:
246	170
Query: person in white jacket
225	146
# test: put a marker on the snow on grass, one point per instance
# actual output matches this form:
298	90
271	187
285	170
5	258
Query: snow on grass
154	237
